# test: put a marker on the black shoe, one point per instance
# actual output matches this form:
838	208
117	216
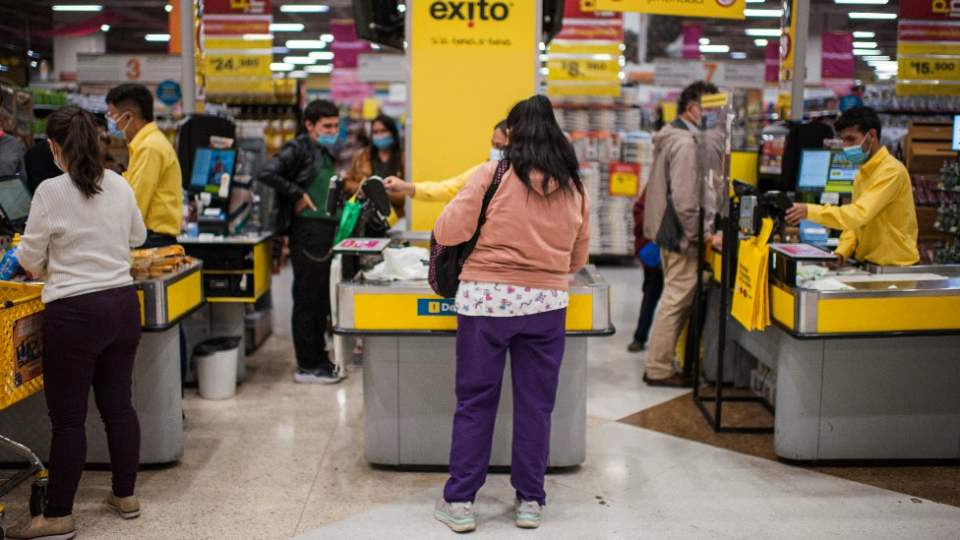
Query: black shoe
677	380
636	346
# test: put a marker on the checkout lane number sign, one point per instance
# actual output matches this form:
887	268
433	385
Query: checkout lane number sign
435	308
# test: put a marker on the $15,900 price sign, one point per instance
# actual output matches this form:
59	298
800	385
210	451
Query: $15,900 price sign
929	69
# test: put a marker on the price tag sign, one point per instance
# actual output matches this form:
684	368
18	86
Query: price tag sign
624	179
930	69
238	65
584	70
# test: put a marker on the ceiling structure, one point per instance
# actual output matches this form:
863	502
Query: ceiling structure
134	19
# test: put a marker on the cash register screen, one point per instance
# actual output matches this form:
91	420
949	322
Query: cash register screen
826	170
14	201
213	171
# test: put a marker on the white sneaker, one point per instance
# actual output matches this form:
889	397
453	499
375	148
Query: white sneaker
528	514
458	516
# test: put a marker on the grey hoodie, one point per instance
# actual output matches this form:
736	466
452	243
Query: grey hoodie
675	155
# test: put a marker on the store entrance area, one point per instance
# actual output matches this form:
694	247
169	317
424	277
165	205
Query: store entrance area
283	460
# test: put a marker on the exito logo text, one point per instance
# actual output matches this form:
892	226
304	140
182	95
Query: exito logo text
481	10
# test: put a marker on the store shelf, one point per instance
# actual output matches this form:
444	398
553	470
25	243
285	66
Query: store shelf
45	107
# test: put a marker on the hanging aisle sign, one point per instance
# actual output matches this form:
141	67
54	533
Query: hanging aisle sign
928	48
713	9
585	58
234	63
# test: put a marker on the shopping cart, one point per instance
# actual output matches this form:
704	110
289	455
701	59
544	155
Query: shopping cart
21	352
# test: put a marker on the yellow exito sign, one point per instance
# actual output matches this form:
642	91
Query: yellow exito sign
715	9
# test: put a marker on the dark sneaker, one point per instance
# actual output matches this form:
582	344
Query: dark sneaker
528	514
636	346
458	516
328	374
677	380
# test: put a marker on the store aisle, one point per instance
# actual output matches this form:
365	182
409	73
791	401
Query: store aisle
283	460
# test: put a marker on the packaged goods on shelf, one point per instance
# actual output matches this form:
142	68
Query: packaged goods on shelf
157	262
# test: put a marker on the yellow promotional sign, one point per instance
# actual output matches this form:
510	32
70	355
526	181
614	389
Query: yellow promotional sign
714	9
929	69
584	70
558	49
468	66
788	29
714	100
236	44
238	65
624	179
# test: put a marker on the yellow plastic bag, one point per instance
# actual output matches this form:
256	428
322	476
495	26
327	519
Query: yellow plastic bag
751	293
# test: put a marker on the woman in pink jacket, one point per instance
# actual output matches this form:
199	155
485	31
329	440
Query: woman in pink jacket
513	297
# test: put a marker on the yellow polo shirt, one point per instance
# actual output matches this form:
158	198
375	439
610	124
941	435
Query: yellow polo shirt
154	175
880	226
445	190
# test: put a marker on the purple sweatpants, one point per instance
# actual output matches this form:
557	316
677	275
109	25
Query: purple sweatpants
536	344
90	340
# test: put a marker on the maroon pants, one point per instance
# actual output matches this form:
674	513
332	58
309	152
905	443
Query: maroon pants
90	340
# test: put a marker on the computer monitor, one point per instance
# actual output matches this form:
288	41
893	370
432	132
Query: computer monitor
814	170
842	173
956	133
15	202
213	171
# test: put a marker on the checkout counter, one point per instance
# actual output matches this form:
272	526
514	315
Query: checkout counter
156	380
866	362
409	367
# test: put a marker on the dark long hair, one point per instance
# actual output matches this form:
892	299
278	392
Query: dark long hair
538	144
396	153
75	132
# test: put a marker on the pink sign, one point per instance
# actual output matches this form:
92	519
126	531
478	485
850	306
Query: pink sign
692	32
346	47
838	59
772	58
347	89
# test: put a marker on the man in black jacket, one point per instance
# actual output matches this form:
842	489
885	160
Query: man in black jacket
301	175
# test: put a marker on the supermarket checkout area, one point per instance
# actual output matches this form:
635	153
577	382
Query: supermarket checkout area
165	302
409	366
865	362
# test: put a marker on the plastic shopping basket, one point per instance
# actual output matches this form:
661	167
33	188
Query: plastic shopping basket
21	341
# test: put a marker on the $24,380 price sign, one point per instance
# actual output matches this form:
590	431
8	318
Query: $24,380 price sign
930	69
238	65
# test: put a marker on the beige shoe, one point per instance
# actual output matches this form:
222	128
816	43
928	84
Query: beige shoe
127	507
59	528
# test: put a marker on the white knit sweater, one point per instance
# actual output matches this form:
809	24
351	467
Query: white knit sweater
81	245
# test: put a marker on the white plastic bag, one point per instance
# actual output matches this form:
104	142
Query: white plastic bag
402	264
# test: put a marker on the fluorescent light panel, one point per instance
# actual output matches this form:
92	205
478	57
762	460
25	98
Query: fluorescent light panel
297	75
105	27
168	8
871	2
864	35
258	37
321	55
877	16
306	44
299	60
327	68
875	58
761	42
738	55
864	44
157	37
329	37
762	32
715	48
866	52
281	66
287	27
768	13
704	41
303	8
78	8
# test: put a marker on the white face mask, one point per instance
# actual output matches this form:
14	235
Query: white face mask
496	154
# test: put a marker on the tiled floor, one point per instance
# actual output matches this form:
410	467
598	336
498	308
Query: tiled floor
283	460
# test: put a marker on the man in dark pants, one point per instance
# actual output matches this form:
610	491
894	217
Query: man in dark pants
649	255
301	175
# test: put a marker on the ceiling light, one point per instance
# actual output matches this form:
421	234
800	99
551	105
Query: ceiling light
885	76
762	32
78	8
738	55
297	75
258	37
286	27
402	8
543	46
299	60
715	48
327	68
881	16
34	64
883	63
866	52
374	46
105	27
873	2
321	55
864	44
304	9
761	42
874	57
157	37
769	13
168	8
704	41
756	1
306	44
864	35
280	50
281	66
326	37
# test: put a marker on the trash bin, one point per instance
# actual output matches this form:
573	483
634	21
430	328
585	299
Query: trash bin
216	362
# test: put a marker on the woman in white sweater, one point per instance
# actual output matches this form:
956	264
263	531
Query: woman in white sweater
81	228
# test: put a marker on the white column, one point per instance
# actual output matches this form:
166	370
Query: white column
187	69
800	40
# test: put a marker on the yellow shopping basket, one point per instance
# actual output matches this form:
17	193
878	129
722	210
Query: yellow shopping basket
21	333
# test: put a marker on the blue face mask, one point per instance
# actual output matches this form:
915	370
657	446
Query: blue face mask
496	154
328	140
855	154
112	128
384	142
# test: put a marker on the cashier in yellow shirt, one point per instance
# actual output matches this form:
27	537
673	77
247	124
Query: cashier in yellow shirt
446	190
880	226
153	170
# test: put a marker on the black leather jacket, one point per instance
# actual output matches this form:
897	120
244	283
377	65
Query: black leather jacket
289	173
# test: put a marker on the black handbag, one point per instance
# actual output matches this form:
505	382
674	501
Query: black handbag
446	262
670	235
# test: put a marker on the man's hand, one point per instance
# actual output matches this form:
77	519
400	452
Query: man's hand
717	241
796	213
396	185
302	203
